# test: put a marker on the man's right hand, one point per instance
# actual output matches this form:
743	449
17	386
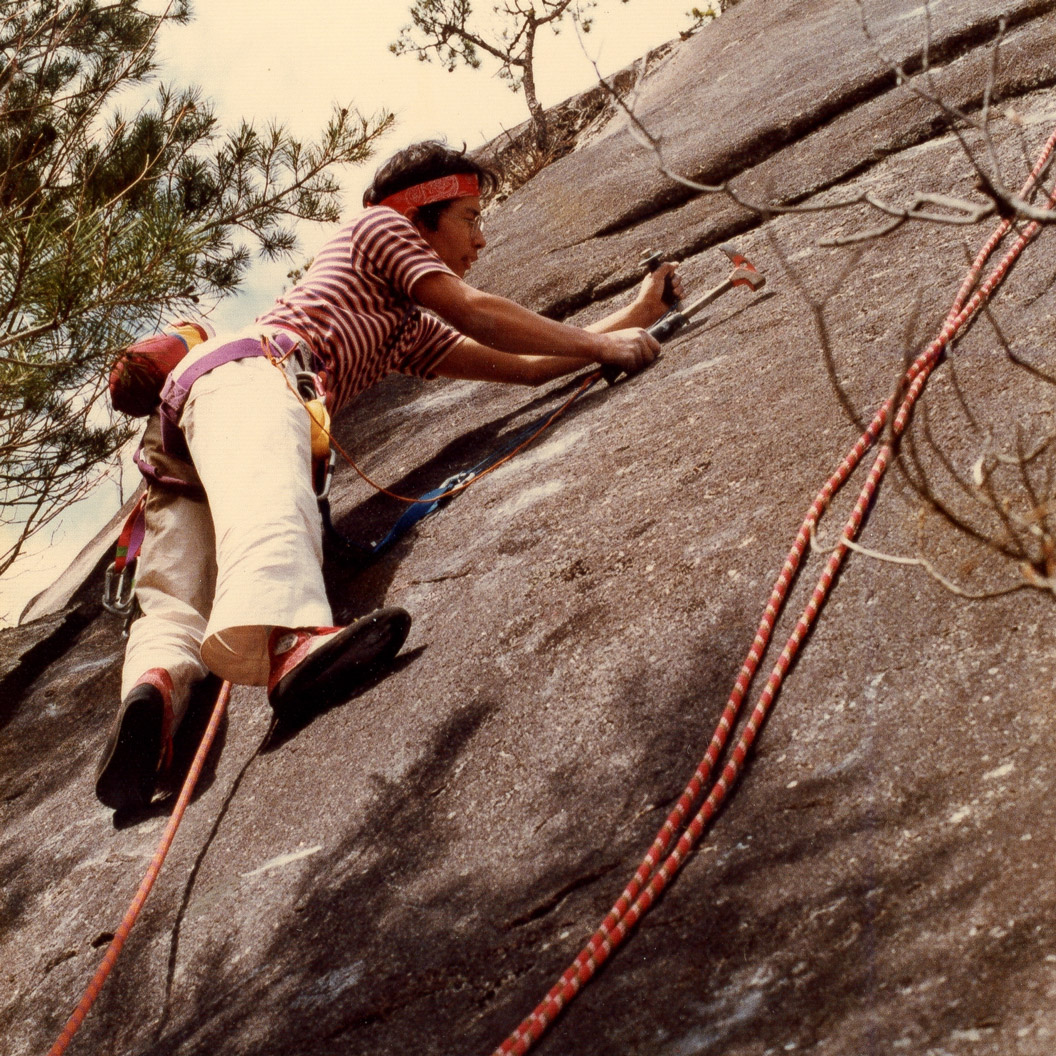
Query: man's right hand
628	350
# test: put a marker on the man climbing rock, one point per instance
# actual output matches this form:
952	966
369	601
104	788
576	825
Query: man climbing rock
230	570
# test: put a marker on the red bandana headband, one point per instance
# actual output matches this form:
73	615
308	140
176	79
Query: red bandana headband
461	185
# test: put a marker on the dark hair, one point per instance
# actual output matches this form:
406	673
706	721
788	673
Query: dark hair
421	162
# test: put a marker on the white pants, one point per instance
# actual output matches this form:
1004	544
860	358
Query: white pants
215	575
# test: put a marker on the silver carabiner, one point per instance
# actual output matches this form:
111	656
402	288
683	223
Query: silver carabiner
119	589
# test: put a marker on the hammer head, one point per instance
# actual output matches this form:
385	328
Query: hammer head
746	275
650	260
745	272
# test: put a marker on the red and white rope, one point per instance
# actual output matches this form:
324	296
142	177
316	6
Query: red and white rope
656	871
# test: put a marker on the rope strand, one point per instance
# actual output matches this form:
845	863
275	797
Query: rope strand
651	878
117	943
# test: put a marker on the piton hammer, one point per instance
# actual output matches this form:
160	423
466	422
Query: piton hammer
744	273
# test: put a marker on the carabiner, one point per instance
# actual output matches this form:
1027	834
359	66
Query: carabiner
119	589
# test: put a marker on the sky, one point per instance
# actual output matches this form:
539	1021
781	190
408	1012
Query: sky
265	60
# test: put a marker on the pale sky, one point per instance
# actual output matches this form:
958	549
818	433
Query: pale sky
293	60
266	60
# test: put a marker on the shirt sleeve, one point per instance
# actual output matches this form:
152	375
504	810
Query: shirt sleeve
387	249
426	345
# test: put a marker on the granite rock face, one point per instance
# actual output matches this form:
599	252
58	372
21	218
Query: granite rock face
411	870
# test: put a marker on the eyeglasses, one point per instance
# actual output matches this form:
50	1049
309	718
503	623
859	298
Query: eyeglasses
476	224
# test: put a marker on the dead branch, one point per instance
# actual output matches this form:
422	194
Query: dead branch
935	574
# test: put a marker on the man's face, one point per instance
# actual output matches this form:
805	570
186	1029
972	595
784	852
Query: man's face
458	237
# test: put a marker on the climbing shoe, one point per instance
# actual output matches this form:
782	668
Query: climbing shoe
316	666
139	748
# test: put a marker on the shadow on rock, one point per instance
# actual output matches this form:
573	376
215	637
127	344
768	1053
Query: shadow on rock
285	729
350	911
381	937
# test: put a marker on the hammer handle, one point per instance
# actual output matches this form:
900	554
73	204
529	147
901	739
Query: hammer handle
669	297
712	295
662	329
668	324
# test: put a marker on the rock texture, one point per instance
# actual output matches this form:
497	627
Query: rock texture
411	870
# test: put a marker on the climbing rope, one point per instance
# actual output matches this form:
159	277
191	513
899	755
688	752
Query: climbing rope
656	871
118	941
489	466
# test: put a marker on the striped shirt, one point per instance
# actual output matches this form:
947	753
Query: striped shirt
355	309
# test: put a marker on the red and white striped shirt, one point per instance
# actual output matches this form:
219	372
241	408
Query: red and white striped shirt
354	305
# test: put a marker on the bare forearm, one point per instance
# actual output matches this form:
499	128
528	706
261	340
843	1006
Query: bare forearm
494	322
473	361
505	325
503	313
633	314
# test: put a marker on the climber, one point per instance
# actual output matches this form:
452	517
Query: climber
229	576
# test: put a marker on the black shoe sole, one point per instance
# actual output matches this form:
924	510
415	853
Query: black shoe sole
128	770
348	659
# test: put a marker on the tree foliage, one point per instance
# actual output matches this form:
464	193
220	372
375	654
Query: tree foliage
451	33
111	222
701	16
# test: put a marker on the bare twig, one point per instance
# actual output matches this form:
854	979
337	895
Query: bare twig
935	574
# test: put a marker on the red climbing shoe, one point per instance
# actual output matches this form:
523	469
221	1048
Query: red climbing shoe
139	748
318	665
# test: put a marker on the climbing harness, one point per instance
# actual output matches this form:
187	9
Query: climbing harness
660	865
119	580
177	388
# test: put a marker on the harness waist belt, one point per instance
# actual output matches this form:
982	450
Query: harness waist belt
177	387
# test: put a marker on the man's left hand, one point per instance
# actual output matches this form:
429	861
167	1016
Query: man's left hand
651	291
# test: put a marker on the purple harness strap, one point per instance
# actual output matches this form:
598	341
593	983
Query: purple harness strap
178	384
152	475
